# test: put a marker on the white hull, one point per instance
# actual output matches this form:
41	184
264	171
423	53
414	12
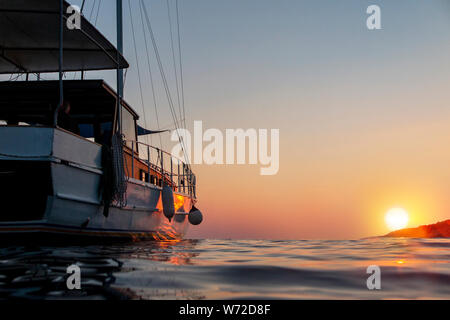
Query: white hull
73	205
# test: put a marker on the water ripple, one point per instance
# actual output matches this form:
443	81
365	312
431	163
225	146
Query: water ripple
227	269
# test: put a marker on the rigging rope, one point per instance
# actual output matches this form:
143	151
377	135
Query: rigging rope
151	76
98	11
120	181
181	64
138	68
173	57
161	69
92	10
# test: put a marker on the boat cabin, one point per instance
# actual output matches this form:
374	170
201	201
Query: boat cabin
93	108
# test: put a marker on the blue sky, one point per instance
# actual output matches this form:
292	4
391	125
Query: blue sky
234	51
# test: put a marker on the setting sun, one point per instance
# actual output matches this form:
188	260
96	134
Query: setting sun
396	218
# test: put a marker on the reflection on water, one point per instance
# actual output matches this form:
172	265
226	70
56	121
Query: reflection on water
224	269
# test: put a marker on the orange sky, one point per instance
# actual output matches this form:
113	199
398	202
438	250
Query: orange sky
338	179
340	188
364	119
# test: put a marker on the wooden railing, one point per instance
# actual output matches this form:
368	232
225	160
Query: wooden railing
158	167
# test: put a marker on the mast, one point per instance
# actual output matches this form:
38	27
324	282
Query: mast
60	61
119	14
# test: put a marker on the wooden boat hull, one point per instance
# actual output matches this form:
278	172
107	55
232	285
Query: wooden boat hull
73	207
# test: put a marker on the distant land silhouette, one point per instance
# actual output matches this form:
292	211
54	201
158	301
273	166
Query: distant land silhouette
437	230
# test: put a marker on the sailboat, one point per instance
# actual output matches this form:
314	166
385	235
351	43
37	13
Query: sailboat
92	180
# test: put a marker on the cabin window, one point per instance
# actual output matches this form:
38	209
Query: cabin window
87	131
99	132
105	133
144	176
128	127
33	103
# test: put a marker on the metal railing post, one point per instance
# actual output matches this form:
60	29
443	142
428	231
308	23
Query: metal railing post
194	188
171	170
148	162
184	178
162	168
178	175
190	182
132	159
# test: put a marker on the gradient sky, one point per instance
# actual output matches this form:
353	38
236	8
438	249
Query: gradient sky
363	115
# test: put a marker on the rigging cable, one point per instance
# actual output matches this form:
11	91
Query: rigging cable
173	57
161	69
152	85
92	10
98	11
160	66
181	64
138	68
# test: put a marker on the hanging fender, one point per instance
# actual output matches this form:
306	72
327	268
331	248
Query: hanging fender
195	216
168	202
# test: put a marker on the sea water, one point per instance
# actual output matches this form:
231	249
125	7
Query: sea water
231	269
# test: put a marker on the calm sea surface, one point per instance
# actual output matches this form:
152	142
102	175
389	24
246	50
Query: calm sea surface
230	269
